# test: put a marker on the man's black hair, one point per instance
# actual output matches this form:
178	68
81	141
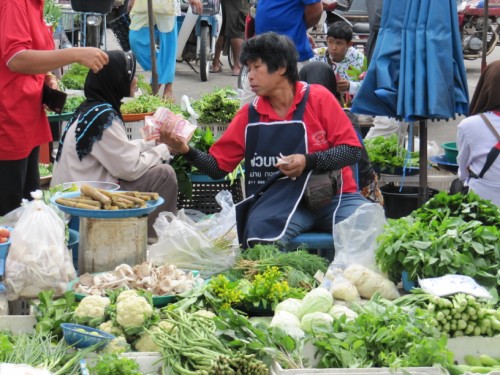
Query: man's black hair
275	51
340	30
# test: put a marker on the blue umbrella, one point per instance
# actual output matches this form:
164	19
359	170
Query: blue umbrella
417	70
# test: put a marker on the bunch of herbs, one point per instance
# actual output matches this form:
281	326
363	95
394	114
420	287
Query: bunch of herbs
217	107
450	234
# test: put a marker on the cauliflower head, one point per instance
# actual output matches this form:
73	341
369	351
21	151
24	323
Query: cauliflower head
118	345
127	294
133	312
92	309
112	328
145	342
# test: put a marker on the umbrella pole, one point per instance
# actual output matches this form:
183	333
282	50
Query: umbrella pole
423	190
152	43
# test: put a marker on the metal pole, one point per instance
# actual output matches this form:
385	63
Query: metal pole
485	35
154	73
423	189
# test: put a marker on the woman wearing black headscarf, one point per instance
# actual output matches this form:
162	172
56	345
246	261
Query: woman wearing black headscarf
321	73
478	137
94	145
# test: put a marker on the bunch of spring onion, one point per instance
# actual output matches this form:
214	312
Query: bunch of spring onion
457	315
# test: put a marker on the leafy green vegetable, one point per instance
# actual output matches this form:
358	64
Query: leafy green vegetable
386	152
50	312
383	335
450	234
201	140
72	103
299	266
51	12
112	364
74	77
146	104
217	107
45	169
265	290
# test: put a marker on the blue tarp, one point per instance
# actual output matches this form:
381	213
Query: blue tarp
417	69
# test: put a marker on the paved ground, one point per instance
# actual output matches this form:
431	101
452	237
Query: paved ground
187	82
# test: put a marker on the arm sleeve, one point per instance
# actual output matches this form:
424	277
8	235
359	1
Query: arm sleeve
333	158
205	163
123	158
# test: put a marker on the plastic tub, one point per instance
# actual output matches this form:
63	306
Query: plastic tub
399	202
450	152
74	238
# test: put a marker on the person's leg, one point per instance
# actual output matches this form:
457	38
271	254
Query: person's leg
216	63
139	44
32	177
166	60
19	179
160	179
301	221
236	47
219	45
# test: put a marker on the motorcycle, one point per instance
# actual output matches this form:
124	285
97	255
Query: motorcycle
472	24
197	36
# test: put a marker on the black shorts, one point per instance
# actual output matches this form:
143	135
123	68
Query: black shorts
234	13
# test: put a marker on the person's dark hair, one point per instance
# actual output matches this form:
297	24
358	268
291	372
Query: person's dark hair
275	51
340	30
319	72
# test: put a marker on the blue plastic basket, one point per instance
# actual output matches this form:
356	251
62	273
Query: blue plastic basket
4	250
80	340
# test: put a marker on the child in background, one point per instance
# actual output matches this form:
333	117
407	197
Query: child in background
341	55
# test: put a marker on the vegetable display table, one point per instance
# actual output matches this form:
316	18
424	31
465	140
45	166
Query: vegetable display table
109	238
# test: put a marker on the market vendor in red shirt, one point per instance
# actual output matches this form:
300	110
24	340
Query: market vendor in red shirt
291	127
26	56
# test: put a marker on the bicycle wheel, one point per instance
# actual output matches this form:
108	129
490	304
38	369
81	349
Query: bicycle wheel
243	77
230	55
204	52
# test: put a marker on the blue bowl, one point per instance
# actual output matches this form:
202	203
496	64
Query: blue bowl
4	247
81	337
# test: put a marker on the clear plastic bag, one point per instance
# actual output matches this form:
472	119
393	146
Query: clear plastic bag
209	245
354	262
38	257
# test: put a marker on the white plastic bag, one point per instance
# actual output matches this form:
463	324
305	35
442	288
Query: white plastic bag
38	257
355	246
209	246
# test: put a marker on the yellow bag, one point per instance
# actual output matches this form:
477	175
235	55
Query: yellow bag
166	7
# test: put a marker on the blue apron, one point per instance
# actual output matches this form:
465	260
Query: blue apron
265	217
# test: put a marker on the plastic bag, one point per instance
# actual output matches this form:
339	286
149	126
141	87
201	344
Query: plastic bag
209	245
355	245
38	257
356	236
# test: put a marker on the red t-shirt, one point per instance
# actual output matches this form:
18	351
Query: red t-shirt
326	123
23	123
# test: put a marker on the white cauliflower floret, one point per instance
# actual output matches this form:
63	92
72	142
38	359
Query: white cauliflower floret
145	343
118	345
127	294
133	312
110	327
92	307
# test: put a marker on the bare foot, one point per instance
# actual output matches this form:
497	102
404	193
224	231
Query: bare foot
168	92
216	67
